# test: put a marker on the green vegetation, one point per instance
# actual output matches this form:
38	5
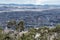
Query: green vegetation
42	33
20	26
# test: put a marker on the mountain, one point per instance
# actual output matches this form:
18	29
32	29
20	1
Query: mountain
10	7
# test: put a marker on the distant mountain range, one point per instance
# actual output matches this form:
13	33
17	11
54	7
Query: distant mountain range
28	5
4	7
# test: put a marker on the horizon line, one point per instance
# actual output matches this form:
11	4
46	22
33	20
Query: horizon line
27	4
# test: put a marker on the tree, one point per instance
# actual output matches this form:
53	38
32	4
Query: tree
20	26
11	23
32	31
57	29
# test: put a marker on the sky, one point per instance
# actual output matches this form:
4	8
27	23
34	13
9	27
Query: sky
37	2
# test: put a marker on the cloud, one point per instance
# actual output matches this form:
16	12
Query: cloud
22	1
40	1
31	1
52	2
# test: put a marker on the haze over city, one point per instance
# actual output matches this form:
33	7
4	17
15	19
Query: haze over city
36	2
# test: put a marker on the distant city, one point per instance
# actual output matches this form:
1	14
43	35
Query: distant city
33	15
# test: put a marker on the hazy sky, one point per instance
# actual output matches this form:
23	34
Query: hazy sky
31	1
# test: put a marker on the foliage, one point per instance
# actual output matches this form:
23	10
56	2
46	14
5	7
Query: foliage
20	26
44	32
